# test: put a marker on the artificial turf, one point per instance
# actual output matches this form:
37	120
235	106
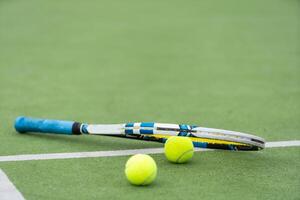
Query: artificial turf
225	64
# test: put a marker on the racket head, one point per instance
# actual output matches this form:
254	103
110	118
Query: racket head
201	137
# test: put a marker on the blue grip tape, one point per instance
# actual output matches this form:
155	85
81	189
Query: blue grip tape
27	124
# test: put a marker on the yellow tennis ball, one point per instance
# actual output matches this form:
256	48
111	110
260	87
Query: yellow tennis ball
179	149
140	169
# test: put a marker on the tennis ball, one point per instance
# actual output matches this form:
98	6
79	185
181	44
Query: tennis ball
179	149
140	169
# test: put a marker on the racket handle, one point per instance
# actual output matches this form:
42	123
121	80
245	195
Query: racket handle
28	124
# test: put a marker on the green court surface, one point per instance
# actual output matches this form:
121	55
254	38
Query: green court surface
224	64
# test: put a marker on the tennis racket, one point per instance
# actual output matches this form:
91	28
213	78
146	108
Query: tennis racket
201	137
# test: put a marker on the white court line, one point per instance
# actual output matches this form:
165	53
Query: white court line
290	143
93	154
7	189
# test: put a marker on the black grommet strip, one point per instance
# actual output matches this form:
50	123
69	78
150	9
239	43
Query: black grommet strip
76	128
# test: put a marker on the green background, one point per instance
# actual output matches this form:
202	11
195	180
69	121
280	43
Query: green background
224	64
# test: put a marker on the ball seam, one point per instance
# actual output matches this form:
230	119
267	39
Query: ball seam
183	155
148	178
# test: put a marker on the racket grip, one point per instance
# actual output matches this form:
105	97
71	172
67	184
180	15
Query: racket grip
28	124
